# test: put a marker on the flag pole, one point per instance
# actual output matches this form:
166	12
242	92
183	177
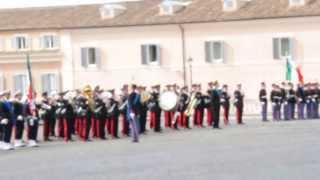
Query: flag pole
30	88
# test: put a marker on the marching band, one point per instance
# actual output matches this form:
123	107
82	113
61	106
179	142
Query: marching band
89	114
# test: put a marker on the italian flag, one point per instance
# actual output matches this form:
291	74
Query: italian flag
293	71
30	87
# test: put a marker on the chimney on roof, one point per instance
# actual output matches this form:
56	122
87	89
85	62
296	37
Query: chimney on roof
233	5
109	11
294	3
170	7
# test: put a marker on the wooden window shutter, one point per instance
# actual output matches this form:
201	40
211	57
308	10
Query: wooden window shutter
276	48
84	57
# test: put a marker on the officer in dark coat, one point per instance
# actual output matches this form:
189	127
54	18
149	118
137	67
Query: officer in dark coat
291	102
301	100
264	102
214	95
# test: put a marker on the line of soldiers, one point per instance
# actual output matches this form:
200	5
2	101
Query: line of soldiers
287	101
95	113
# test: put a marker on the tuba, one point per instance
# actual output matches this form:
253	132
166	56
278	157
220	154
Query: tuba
145	97
88	93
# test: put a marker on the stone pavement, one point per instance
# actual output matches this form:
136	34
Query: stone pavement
254	151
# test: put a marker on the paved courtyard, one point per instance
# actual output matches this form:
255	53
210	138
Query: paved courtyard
254	151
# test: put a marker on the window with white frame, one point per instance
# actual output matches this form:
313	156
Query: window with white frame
90	57
214	51
21	42
49	41
282	48
150	54
2	82
50	82
229	5
20	83
2	44
296	2
166	9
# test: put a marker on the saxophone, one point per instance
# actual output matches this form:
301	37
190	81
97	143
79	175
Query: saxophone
190	109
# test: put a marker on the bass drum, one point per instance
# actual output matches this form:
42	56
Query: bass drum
168	101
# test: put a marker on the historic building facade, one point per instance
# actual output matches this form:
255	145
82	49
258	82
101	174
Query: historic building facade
159	42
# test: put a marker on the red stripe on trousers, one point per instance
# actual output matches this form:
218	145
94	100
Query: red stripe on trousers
65	129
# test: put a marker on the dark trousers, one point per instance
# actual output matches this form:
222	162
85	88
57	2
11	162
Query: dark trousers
1	132
87	127
52	126
33	129
158	122
264	111
276	112
286	111
309	109
46	129
143	121
291	109
19	129
100	128
301	107
7	129
216	116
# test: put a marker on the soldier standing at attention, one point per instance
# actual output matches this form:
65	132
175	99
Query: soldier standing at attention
264	102
225	102
239	95
301	100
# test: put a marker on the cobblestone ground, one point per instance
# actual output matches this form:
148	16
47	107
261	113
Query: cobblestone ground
254	151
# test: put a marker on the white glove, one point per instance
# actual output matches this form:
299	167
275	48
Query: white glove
4	121
20	118
132	115
263	103
31	122
274	104
285	103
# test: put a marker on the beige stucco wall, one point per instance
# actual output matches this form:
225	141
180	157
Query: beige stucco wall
249	57
14	63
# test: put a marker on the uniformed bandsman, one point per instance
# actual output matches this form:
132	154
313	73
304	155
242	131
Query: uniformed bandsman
154	109
100	114
225	103
239	104
113	115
